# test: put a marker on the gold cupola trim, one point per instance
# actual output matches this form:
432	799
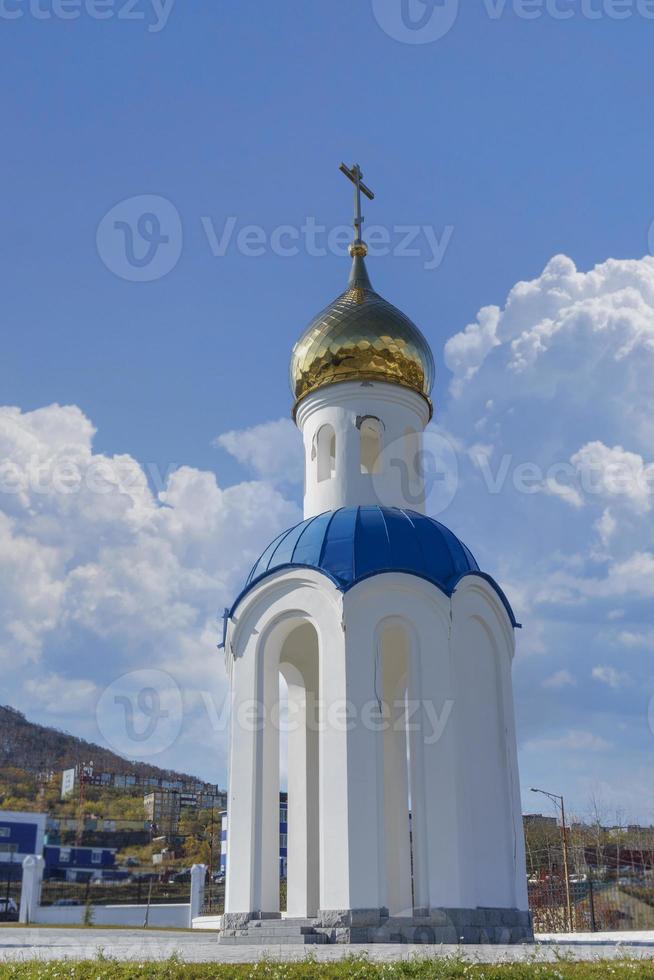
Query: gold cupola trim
360	336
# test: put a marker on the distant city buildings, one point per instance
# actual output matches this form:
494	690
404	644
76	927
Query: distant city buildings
80	863
70	780
97	831
21	834
283	836
25	834
538	820
163	807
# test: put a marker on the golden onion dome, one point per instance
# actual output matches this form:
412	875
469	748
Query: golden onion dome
361	337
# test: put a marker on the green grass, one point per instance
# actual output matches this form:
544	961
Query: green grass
356	968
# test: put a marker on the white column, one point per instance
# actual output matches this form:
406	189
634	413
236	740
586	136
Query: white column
268	781
486	834
303	837
350	871
243	846
396	792
30	893
198	875
313	810
442	776
335	774
515	803
419	824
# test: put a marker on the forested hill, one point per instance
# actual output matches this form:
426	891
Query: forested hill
36	748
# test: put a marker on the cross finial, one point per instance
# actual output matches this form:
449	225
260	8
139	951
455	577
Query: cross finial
355	174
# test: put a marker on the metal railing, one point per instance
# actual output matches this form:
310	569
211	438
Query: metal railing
141	888
10	886
596	906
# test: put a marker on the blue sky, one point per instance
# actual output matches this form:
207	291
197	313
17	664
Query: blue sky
513	140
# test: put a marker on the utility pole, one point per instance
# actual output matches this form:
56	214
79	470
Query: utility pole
211	841
85	771
558	801
211	856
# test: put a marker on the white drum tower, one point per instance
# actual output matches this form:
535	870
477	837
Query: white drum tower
404	817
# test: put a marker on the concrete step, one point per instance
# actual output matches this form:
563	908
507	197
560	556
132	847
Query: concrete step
279	923
283	929
267	930
257	939
272	932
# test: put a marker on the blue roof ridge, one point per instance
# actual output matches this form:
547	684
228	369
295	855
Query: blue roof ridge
377	546
354	546
326	534
307	525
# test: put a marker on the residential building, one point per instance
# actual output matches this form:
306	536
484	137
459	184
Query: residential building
80	863
21	834
283	836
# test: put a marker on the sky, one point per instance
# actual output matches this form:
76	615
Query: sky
172	217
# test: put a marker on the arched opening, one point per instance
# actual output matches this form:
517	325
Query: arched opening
394	663
299	667
371	444
326	452
289	770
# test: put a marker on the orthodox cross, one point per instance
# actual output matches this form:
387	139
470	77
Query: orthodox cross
355	174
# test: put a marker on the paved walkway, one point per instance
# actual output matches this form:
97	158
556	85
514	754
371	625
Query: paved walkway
198	947
642	938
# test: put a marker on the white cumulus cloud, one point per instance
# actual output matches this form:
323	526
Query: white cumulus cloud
576	740
273	450
559	679
610	676
100	575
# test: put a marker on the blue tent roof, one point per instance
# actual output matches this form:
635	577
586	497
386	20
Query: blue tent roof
354	543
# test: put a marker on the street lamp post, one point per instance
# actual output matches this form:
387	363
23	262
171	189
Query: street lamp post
558	801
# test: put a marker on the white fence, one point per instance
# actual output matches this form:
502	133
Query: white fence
178	915
171	916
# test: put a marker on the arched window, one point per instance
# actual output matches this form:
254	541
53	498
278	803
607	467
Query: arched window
371	444
326	452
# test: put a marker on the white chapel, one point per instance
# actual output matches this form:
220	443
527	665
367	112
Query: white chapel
404	816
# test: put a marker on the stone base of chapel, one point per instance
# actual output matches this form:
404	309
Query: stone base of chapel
437	926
